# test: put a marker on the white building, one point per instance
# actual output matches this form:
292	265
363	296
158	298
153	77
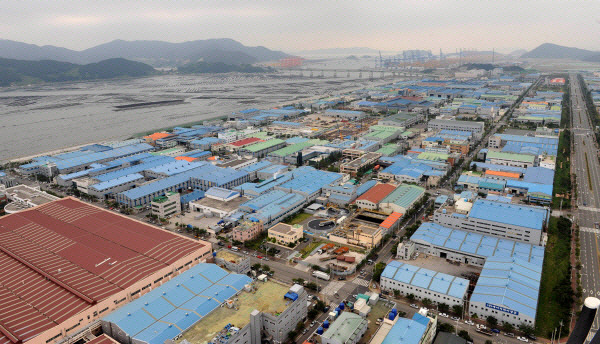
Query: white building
505	220
167	205
424	284
477	128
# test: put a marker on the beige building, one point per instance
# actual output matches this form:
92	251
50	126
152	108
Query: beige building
364	236
167	205
286	234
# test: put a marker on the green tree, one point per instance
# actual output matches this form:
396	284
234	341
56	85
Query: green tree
256	266
488	342
507	327
464	334
443	307
491	320
411	297
457	309
427	302
312	313
445	327
320	305
266	268
526	329
378	270
396	293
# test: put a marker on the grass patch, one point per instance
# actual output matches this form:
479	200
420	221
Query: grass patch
309	248
562	175
556	294
296	218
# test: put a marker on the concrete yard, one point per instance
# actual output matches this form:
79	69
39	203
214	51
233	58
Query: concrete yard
441	265
379	310
268	297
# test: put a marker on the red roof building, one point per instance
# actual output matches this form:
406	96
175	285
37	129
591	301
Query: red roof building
371	198
68	259
246	142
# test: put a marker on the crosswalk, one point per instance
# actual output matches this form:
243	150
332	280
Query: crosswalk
332	288
590	209
590	230
361	281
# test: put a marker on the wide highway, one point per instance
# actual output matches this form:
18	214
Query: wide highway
587	169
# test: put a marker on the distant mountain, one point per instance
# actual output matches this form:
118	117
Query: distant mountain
517	53
156	53
342	51
219	67
554	51
20	71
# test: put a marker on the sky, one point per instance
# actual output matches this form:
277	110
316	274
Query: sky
293	26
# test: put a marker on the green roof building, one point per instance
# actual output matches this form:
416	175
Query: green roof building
348	328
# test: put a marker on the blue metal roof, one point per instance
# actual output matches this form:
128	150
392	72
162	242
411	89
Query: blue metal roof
117	181
220	192
509	282
427	279
170	309
513	214
405	331
192	196
257	166
309	180
477	244
540	175
495	167
365	187
104	155
147	164
177	166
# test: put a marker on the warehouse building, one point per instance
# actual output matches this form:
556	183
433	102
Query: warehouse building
271	172
252	190
309	182
218	202
371	198
346	193
345	114
477	128
504	220
282	155
205	143
507	289
348	328
511	159
421	329
262	149
204	300
424	283
402	119
471	248
253	168
401	199
99	261
364	161
272	207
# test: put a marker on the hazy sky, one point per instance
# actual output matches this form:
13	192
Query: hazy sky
297	25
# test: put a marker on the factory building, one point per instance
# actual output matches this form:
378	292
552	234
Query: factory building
309	182
504	220
401	199
470	248
511	159
99	261
218	202
345	114
348	328
364	161
402	119
346	193
262	149
272	207
424	283
371	198
421	329
477	128
507	289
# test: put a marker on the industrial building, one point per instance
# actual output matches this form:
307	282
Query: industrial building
424	283
79	263
309	182
23	197
348	328
262	149
477	128
468	247
511	159
421	329
504	220
167	205
402	119
346	193
366	160
286	234
218	202
507	289
232	261
371	199
272	207
401	199
345	114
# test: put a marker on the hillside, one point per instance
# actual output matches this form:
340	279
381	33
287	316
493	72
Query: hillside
554	51
19	71
155	53
219	67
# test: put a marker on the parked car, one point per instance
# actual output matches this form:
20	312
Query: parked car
455	318
509	334
414	306
523	339
495	330
259	257
532	337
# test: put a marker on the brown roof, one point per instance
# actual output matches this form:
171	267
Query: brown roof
67	255
377	193
102	339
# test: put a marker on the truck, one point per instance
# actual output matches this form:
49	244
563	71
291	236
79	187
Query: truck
321	275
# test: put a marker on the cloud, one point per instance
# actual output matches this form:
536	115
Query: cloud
77	20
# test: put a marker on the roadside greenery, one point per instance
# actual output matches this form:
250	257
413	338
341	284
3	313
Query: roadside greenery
562	175
556	293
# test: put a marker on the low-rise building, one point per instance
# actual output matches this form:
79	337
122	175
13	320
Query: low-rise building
247	230
421	329
348	328
371	199
218	202
167	205
424	284
286	234
477	128
507	289
366	160
402	199
232	261
23	197
511	159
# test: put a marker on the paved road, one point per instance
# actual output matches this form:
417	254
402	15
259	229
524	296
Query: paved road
587	168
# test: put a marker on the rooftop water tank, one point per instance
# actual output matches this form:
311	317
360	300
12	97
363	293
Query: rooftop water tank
342	306
320	330
326	324
391	316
